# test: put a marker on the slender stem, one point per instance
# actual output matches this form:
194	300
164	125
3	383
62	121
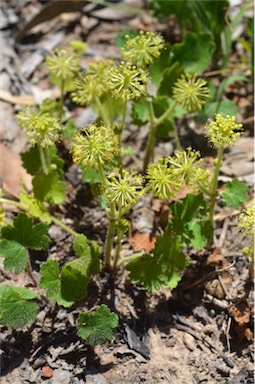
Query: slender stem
129	258
101	111
120	134
47	157
176	137
17	204
119	238
43	160
112	224
149	152
109	103
30	272
64	227
170	109
62	94
214	183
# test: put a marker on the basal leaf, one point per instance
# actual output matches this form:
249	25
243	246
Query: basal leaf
25	233
195	52
98	326
16	307
49	188
89	252
74	279
15	256
169	76
158	66
200	233
31	160
235	194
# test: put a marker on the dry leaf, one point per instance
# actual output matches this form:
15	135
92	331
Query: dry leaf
241	313
142	242
215	257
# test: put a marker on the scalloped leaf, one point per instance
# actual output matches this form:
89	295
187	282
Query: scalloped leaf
98	326
235	194
49	188
17	307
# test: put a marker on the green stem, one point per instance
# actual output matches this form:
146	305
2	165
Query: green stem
176	137
47	157
17	204
112	224
119	238
214	184
64	227
120	133
62	94
101	111
30	271
170	109
43	160
129	258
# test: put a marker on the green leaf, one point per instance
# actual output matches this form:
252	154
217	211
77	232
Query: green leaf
90	252
15	256
140	113
69	129
90	175
98	326
200	233
23	232
195	52
169	76
50	280
16	307
158	66
75	278
35	207
31	160
49	188
235	194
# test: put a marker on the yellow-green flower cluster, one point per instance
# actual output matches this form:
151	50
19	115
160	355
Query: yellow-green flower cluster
191	92
127	82
79	46
246	221
41	127
143	49
125	190
93	84
62	65
94	146
224	131
162	179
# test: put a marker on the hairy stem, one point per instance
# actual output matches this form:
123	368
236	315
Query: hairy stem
127	259
30	272
214	183
176	137
119	238
47	157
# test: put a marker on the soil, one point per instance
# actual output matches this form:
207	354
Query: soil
200	332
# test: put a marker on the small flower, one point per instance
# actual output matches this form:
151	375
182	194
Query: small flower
62	66
246	221
79	46
224	131
143	49
94	146
41	127
190	92
93	84
125	190
162	180
127	81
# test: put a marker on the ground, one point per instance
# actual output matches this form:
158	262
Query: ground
200	332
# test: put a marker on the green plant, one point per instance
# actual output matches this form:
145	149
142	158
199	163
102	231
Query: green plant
98	150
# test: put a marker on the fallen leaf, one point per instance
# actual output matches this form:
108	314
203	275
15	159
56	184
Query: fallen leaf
46	372
241	313
12	172
215	257
142	242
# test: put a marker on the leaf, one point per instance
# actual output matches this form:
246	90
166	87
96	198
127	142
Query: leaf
98	326
50	280
49	188
195	52
158	66
75	278
31	160
15	256
235	194
120	39
200	233
16	307
35	207
89	252
140	113
70	129
169	76
90	175
23	232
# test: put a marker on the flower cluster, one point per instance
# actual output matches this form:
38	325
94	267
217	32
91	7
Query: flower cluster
127	82
62	65
125	190
191	92
224	131
93	84
41	127
143	49
162	180
94	146
246	221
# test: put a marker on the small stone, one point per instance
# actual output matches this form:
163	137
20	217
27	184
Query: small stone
189	341
39	362
46	372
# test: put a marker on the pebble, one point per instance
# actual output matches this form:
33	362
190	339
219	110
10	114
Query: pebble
189	341
61	376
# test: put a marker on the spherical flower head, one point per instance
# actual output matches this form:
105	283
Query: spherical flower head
143	49
191	92
62	65
224	131
93	84
41	127
79	46
127	82
94	146
162	180
186	164
125	190
246	221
